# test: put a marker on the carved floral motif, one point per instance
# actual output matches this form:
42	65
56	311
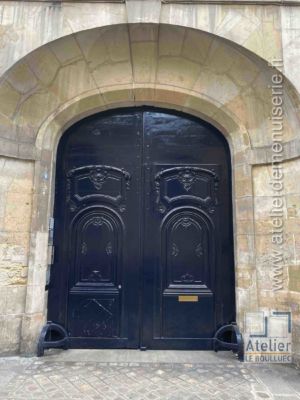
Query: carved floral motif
95	276
199	250
186	222
84	248
175	250
98	177
187	278
109	248
187	178
98	221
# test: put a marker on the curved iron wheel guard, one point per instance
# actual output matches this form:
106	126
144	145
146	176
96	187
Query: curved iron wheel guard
236	344
47	341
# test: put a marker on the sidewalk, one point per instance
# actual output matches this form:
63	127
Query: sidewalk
150	375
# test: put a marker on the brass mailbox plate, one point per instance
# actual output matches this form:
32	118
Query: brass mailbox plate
191	299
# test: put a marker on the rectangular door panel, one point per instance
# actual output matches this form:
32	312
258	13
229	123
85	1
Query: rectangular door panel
187	316
94	315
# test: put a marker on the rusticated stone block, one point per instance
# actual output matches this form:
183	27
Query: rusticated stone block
10	328
12	274
9	98
12	300
294	278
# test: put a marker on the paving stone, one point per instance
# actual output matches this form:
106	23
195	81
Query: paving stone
35	379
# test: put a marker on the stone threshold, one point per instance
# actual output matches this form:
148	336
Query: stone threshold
138	356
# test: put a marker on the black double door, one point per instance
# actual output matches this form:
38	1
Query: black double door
143	232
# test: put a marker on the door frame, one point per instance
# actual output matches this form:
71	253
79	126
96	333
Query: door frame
47	140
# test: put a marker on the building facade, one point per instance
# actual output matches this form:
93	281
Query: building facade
233	64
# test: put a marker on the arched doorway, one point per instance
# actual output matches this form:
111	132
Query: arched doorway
143	232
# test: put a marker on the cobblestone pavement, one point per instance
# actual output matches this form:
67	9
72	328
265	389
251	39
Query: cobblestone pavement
33	378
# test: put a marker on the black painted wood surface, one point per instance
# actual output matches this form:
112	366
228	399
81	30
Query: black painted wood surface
143	232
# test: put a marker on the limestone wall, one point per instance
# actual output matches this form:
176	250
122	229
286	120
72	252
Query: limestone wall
288	297
15	218
62	61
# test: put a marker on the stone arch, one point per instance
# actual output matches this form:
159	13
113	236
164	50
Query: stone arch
130	59
130	65
255	30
